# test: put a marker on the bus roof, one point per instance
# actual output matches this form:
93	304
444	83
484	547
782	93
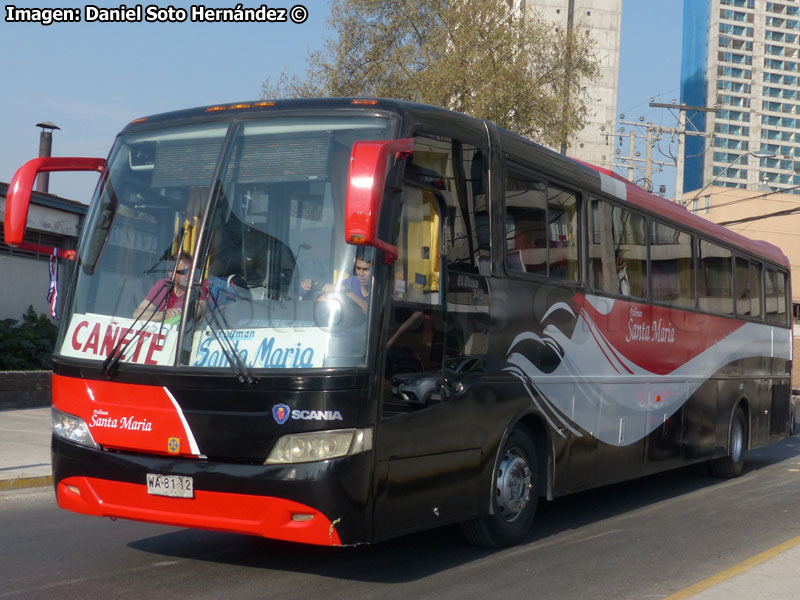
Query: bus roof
255	108
410	112
679	215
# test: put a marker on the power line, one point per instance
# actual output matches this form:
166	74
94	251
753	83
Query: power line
780	213
652	138
748	198
682	132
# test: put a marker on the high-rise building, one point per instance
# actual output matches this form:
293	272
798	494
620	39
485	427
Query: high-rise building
742	57
603	19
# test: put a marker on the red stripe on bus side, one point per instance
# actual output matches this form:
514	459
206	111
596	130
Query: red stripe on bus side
658	339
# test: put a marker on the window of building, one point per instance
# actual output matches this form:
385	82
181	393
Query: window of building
40	238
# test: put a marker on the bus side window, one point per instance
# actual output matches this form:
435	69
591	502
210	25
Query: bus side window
562	231
467	338
742	286
526	223
715	279
617	250
467	241
672	266
417	327
417	271
755	294
541	227
415	343
775	297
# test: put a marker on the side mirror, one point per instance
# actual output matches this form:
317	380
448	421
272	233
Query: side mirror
365	184
19	197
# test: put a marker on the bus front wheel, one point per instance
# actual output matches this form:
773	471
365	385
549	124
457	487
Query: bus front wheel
731	465
514	495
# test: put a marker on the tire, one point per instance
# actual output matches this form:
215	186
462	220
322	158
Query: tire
514	495
730	466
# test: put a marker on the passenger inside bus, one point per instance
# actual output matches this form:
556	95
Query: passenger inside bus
355	287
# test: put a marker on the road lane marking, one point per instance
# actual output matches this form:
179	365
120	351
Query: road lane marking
735	570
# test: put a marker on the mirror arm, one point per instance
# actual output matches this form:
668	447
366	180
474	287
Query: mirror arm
19	193
365	189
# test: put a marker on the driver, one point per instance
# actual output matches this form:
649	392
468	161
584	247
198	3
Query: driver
164	301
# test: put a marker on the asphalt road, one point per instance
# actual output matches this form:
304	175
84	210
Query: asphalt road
642	539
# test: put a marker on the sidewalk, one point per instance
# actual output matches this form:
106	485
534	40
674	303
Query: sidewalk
25	462
25	448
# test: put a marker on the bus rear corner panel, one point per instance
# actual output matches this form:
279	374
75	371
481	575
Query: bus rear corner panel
325	504
779	410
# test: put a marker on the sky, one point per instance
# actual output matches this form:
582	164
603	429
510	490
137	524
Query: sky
92	78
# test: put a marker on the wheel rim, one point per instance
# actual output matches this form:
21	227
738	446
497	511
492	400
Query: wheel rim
737	440
513	490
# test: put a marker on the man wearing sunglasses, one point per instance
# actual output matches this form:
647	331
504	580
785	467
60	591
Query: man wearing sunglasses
164	301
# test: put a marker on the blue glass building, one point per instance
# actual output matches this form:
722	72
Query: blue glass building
743	58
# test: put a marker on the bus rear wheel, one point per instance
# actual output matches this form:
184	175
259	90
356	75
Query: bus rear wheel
731	465
514	495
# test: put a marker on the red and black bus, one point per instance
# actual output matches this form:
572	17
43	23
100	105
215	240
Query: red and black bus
337	321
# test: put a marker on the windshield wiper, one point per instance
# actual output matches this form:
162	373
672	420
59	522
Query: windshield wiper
211	316
117	353
217	326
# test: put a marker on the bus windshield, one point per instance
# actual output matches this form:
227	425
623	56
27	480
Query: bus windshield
209	241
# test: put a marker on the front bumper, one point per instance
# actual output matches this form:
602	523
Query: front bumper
269	501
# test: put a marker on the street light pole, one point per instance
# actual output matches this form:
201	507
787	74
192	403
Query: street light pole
756	153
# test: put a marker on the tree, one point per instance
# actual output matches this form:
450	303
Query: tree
479	57
28	345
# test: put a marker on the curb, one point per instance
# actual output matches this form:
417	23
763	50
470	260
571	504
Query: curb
20	483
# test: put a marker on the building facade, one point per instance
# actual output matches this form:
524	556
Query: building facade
52	221
603	18
742	57
760	215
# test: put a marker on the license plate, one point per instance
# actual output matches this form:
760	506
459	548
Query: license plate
175	486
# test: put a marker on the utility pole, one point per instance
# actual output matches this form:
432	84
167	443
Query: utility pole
633	160
631	150
682	133
648	157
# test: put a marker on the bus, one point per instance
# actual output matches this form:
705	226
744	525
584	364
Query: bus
338	321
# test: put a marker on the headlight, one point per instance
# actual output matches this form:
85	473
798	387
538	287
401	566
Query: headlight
72	428
319	445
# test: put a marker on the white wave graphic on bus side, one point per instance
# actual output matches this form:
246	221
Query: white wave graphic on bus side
611	397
